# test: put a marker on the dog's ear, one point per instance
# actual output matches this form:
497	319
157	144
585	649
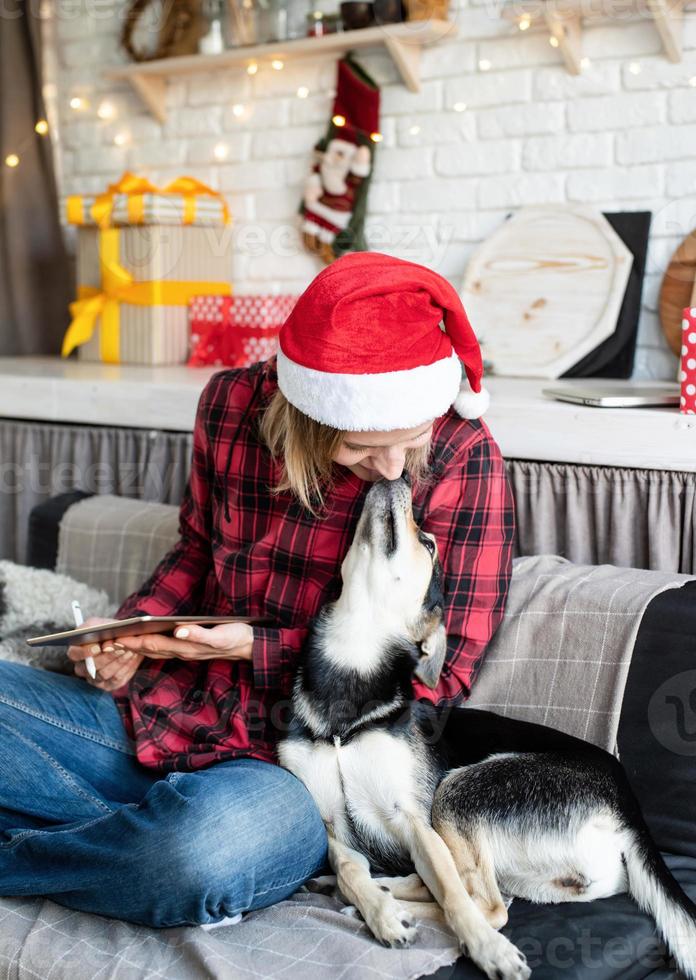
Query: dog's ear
433	648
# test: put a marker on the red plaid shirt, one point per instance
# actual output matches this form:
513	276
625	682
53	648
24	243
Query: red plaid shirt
274	560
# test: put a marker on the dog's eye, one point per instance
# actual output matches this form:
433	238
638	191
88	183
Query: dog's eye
430	545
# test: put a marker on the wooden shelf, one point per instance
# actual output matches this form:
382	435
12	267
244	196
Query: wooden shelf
564	19
402	41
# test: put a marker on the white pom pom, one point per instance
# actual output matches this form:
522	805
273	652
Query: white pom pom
470	404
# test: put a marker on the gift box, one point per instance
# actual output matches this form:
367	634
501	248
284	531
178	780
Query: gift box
236	331
142	254
687	374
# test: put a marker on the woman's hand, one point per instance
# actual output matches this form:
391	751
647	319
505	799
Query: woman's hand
115	666
228	641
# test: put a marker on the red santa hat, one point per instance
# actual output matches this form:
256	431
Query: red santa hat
363	349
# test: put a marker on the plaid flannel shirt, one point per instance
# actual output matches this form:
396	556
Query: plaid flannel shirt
273	559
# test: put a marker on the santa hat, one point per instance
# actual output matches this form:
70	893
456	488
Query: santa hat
363	349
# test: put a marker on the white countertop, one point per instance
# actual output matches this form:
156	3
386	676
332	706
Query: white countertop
58	390
529	426
526	425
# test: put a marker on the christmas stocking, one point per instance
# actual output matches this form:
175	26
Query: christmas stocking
335	196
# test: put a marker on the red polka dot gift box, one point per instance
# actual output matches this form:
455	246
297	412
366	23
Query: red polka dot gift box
236	331
687	374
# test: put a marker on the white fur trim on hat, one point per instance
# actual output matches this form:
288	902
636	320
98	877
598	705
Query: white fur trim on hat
371	402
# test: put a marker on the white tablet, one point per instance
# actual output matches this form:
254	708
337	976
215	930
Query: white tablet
135	626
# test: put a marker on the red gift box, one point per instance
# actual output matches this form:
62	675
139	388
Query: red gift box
687	375
236	331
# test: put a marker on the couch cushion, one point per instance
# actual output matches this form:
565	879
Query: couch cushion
609	939
657	731
44	522
114	543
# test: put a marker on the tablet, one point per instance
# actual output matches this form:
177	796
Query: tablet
135	626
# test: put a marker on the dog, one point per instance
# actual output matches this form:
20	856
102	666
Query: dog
518	811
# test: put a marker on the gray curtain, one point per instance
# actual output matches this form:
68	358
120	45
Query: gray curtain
588	514
39	460
35	279
606	515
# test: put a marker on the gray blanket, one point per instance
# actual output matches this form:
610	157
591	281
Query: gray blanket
306	936
562	653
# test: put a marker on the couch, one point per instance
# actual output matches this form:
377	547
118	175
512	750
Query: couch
605	940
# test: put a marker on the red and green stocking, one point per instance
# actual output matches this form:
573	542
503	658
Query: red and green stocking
335	195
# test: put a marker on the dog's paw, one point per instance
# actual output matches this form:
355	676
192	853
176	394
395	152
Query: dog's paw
498	957
393	927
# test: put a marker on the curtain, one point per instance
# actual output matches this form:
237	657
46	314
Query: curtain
589	514
39	460
34	269
606	515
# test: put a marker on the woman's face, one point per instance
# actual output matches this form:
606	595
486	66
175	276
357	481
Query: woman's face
376	455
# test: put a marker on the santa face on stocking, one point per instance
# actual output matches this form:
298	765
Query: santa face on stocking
331	189
335	194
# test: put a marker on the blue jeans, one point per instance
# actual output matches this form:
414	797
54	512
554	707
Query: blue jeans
82	822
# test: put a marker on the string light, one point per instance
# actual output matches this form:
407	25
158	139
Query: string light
414	130
525	22
12	160
221	151
122	139
459	106
553	41
484	64
277	64
252	68
338	120
302	92
106	110
376	137
238	109
635	68
77	103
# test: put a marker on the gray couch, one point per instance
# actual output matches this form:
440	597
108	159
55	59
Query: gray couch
113	544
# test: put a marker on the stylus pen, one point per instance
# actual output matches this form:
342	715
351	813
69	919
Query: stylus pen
79	621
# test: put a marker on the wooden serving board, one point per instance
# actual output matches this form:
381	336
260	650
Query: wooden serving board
678	290
545	289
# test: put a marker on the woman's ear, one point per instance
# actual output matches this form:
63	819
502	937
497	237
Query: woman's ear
433	650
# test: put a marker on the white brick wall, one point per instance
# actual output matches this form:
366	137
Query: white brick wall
616	138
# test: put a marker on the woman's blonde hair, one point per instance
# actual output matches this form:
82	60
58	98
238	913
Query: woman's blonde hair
305	449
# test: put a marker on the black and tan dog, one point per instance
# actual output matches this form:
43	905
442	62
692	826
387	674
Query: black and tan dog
527	812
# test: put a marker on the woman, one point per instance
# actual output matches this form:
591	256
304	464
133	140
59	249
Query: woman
161	803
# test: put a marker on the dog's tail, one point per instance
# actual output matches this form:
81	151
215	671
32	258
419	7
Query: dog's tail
657	892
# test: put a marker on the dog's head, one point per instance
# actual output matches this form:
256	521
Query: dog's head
392	573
